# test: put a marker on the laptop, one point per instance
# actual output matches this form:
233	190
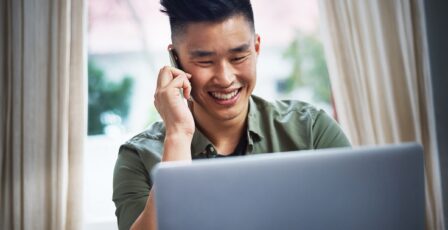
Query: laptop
346	188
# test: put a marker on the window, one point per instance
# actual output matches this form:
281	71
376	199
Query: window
127	47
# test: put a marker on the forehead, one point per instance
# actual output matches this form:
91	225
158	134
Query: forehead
214	35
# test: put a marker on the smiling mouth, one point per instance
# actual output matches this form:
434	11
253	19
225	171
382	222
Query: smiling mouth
224	96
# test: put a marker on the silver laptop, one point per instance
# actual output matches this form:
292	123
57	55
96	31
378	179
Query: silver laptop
361	188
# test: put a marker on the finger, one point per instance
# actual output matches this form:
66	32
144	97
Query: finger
179	82
167	74
182	83
165	77
178	72
187	91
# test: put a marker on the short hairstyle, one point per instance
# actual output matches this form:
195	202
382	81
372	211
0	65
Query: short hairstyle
183	12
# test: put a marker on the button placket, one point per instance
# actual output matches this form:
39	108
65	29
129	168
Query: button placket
211	153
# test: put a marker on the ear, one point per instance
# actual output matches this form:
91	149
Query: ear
257	43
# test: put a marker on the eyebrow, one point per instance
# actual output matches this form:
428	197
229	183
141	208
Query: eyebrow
241	48
201	53
204	53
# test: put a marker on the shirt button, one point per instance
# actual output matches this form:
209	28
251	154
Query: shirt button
211	149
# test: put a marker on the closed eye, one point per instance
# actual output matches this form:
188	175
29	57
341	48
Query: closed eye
239	59
204	63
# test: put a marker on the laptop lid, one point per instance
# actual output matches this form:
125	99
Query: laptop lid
361	188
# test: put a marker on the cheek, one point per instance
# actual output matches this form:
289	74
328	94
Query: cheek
198	82
248	72
199	77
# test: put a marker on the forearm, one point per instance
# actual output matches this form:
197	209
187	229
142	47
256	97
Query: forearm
147	219
176	148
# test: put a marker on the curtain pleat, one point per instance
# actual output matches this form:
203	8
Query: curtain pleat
379	69
43	113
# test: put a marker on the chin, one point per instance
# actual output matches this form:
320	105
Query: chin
227	116
233	112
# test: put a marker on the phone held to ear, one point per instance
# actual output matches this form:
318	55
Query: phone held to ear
175	63
173	59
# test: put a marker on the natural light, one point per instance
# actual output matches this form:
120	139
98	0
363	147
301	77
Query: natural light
127	47
260	138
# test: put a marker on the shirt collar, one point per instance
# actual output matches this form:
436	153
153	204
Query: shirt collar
253	122
199	144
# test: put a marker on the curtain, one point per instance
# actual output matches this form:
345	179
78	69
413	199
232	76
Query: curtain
379	69
43	113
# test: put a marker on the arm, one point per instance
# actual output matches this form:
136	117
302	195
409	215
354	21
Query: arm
173	145
179	125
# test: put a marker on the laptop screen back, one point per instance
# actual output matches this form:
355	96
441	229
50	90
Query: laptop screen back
365	188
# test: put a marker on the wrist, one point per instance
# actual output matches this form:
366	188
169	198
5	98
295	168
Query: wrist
179	136
179	132
177	147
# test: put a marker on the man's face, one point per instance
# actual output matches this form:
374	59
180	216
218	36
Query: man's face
221	57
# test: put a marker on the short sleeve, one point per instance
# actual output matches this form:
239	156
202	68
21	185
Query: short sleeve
326	133
131	186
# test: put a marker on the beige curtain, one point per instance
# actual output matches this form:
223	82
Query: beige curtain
42	114
378	63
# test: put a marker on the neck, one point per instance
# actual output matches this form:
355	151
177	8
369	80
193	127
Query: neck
224	134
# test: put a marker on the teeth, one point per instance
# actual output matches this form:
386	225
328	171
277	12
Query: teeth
224	96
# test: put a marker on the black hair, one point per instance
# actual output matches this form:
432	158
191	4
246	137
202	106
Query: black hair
183	12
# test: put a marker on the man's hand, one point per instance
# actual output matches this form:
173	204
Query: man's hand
179	124
170	103
173	108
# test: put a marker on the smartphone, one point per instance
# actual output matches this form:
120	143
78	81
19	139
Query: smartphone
175	63
173	59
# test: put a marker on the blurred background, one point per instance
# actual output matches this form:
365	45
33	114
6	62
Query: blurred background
387	64
127	41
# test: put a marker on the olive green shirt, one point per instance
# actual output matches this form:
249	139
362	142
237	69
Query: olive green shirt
271	127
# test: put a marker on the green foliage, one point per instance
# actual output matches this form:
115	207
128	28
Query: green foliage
309	68
106	97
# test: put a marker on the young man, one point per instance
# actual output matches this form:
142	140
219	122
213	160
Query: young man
216	46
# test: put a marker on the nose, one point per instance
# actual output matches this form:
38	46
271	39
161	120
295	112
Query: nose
224	74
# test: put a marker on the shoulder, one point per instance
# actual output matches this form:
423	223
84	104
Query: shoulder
298	122
287	108
131	181
146	146
152	135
